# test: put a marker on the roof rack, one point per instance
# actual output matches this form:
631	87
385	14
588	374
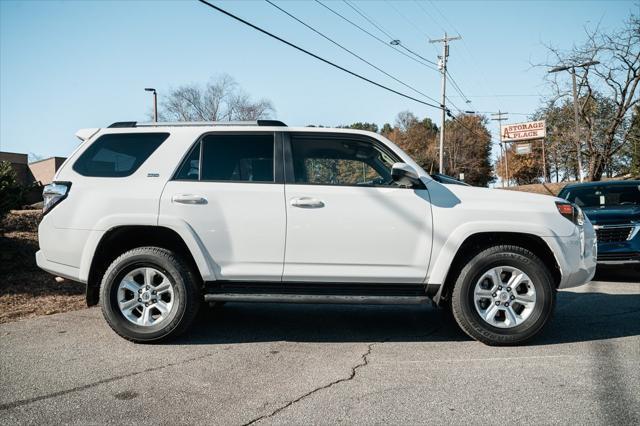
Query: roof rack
123	124
261	123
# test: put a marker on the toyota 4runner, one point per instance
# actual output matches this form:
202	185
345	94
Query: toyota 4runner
158	218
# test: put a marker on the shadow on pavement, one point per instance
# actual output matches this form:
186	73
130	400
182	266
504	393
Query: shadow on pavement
619	273
579	317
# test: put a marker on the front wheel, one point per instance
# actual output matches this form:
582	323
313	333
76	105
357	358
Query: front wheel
149	294
503	296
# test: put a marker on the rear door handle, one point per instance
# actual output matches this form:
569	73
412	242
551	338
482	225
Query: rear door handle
307	203
189	199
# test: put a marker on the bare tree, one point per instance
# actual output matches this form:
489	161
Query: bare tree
612	83
221	99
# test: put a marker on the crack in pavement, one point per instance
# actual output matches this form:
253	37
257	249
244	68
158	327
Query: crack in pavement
364	361
14	404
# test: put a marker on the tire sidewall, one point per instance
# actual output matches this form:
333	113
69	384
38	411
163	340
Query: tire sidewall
464	297
109	289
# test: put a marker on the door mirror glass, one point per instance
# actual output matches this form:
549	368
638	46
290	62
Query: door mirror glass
404	174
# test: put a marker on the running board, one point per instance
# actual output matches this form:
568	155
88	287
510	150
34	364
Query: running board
316	298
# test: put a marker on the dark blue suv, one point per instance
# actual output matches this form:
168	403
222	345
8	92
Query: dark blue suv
614	209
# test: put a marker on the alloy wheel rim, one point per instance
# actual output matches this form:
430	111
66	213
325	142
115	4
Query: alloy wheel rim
145	296
504	297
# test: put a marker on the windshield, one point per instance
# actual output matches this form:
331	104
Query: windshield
605	196
447	180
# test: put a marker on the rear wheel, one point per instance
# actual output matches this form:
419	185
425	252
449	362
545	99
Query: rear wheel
503	296
149	294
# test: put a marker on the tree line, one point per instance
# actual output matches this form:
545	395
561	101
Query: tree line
467	145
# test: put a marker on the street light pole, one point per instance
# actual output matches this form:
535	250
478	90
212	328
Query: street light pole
572	70
577	123
155	103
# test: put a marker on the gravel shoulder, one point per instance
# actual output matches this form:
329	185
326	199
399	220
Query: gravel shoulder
25	290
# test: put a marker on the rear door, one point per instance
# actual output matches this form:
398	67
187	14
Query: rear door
347	221
229	190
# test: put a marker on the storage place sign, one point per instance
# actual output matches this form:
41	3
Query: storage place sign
523	131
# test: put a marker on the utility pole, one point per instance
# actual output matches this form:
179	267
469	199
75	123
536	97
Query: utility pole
443	69
572	70
544	162
155	103
577	123
500	117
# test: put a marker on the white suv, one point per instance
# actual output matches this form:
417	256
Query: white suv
158	218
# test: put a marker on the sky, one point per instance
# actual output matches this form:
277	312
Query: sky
66	65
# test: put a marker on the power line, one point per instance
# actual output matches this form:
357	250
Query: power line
349	51
457	88
393	39
444	17
473	60
374	36
426	12
502	96
428	15
409	21
326	61
454	105
370	20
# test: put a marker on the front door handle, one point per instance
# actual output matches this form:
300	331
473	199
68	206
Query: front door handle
189	199
307	203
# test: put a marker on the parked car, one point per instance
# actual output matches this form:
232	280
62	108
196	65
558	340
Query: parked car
614	209
158	218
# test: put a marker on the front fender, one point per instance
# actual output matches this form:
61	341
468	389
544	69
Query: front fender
445	247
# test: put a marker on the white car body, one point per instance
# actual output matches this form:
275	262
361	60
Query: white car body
252	232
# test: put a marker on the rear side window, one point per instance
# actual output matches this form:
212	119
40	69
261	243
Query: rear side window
237	158
118	154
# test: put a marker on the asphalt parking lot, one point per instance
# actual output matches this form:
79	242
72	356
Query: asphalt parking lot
249	363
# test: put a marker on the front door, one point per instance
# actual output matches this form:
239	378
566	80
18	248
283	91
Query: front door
230	192
347	221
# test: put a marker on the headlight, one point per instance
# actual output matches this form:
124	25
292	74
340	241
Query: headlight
571	212
53	194
579	216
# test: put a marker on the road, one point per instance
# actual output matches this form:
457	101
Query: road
250	363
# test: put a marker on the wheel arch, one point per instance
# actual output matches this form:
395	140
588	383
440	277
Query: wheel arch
121	239
479	241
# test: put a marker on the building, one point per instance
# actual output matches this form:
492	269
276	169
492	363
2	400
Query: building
44	170
40	171
32	175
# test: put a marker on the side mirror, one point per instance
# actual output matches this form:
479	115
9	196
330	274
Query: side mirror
404	174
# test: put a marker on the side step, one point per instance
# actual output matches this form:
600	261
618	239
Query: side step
316	298
307	292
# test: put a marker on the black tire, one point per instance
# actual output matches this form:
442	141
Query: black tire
469	319
186	293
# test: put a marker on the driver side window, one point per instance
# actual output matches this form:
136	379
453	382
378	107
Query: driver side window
344	162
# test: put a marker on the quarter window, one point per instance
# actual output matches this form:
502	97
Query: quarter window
190	168
118	154
340	162
239	158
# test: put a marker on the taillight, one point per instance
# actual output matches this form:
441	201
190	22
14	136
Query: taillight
571	212
53	194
